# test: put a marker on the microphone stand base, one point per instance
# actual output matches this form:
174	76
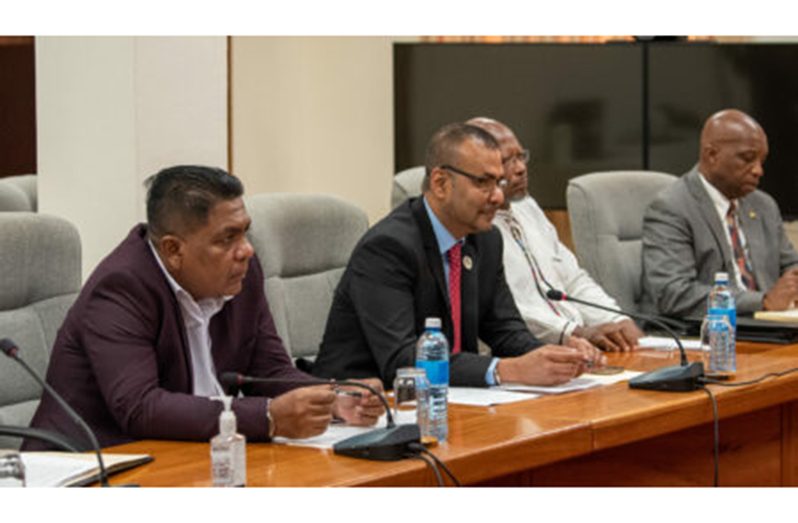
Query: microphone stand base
671	379
388	444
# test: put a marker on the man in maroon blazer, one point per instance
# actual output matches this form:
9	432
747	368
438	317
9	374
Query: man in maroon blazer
176	304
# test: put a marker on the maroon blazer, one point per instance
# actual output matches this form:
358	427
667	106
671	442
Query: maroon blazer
121	358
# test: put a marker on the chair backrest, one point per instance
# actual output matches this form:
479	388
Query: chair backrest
406	184
28	185
606	212
303	242
13	199
40	266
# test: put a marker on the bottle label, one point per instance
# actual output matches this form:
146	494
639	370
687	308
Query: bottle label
437	371
730	313
222	468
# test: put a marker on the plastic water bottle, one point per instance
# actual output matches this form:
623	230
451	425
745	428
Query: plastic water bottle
432	355
721	334
721	300
717	343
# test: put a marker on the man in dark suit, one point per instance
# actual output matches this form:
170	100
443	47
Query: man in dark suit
713	219
405	269
179	302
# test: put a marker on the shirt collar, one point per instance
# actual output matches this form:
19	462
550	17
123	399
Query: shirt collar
445	239
204	305
718	198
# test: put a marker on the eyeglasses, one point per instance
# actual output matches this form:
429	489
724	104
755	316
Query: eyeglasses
522	157
486	183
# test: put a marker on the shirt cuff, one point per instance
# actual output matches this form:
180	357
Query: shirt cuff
567	330
269	421
489	374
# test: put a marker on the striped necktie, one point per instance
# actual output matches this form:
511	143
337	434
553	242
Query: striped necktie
740	259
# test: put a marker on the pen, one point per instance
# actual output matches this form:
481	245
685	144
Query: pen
351	393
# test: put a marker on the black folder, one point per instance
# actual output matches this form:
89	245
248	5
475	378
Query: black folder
750	329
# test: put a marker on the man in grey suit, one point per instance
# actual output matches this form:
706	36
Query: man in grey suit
714	219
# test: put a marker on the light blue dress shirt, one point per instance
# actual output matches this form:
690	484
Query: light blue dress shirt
445	242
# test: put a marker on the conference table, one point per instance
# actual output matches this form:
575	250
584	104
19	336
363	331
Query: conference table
606	436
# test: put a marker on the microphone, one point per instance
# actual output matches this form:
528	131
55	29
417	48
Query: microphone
678	378
12	351
387	444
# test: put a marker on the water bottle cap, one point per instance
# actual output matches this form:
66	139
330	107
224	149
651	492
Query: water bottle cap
721	277
432	323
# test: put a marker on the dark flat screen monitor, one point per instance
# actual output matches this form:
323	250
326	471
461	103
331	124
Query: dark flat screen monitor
690	81
576	107
583	108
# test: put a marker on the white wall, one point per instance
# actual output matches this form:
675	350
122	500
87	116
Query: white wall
314	114
113	110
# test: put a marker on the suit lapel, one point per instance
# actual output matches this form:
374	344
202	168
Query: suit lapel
433	255
169	297
710	215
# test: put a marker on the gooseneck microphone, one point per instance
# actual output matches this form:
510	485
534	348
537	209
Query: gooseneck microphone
12	351
678	378
235	379
394	442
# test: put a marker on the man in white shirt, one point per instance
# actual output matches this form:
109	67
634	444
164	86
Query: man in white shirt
535	261
714	219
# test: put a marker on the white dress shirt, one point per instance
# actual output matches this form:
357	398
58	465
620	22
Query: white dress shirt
196	320
722	205
556	268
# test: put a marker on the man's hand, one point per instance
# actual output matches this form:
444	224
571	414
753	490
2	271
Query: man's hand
303	412
551	364
781	296
618	336
358	406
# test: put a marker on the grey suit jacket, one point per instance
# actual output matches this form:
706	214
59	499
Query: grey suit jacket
684	246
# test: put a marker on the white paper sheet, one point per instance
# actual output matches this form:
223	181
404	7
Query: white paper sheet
665	343
482	397
337	432
585	381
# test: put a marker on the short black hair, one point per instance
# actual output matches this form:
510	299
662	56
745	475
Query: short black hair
179	198
444	144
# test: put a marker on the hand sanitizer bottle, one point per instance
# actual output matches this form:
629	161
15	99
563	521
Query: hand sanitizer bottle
228	450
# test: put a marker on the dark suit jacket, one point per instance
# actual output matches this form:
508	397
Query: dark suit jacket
684	246
395	280
121	358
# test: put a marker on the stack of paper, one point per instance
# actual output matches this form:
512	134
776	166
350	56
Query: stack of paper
665	343
788	316
585	381
64	469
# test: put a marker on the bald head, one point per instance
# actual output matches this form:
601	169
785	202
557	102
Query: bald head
733	149
514	170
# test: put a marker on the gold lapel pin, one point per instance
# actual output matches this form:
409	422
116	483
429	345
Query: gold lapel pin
752	215
468	262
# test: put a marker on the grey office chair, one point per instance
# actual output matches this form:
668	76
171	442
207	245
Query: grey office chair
606	212
13	199
406	184
40	267
28	185
303	242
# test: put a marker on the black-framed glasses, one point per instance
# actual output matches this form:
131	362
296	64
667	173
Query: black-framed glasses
484	183
522	157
